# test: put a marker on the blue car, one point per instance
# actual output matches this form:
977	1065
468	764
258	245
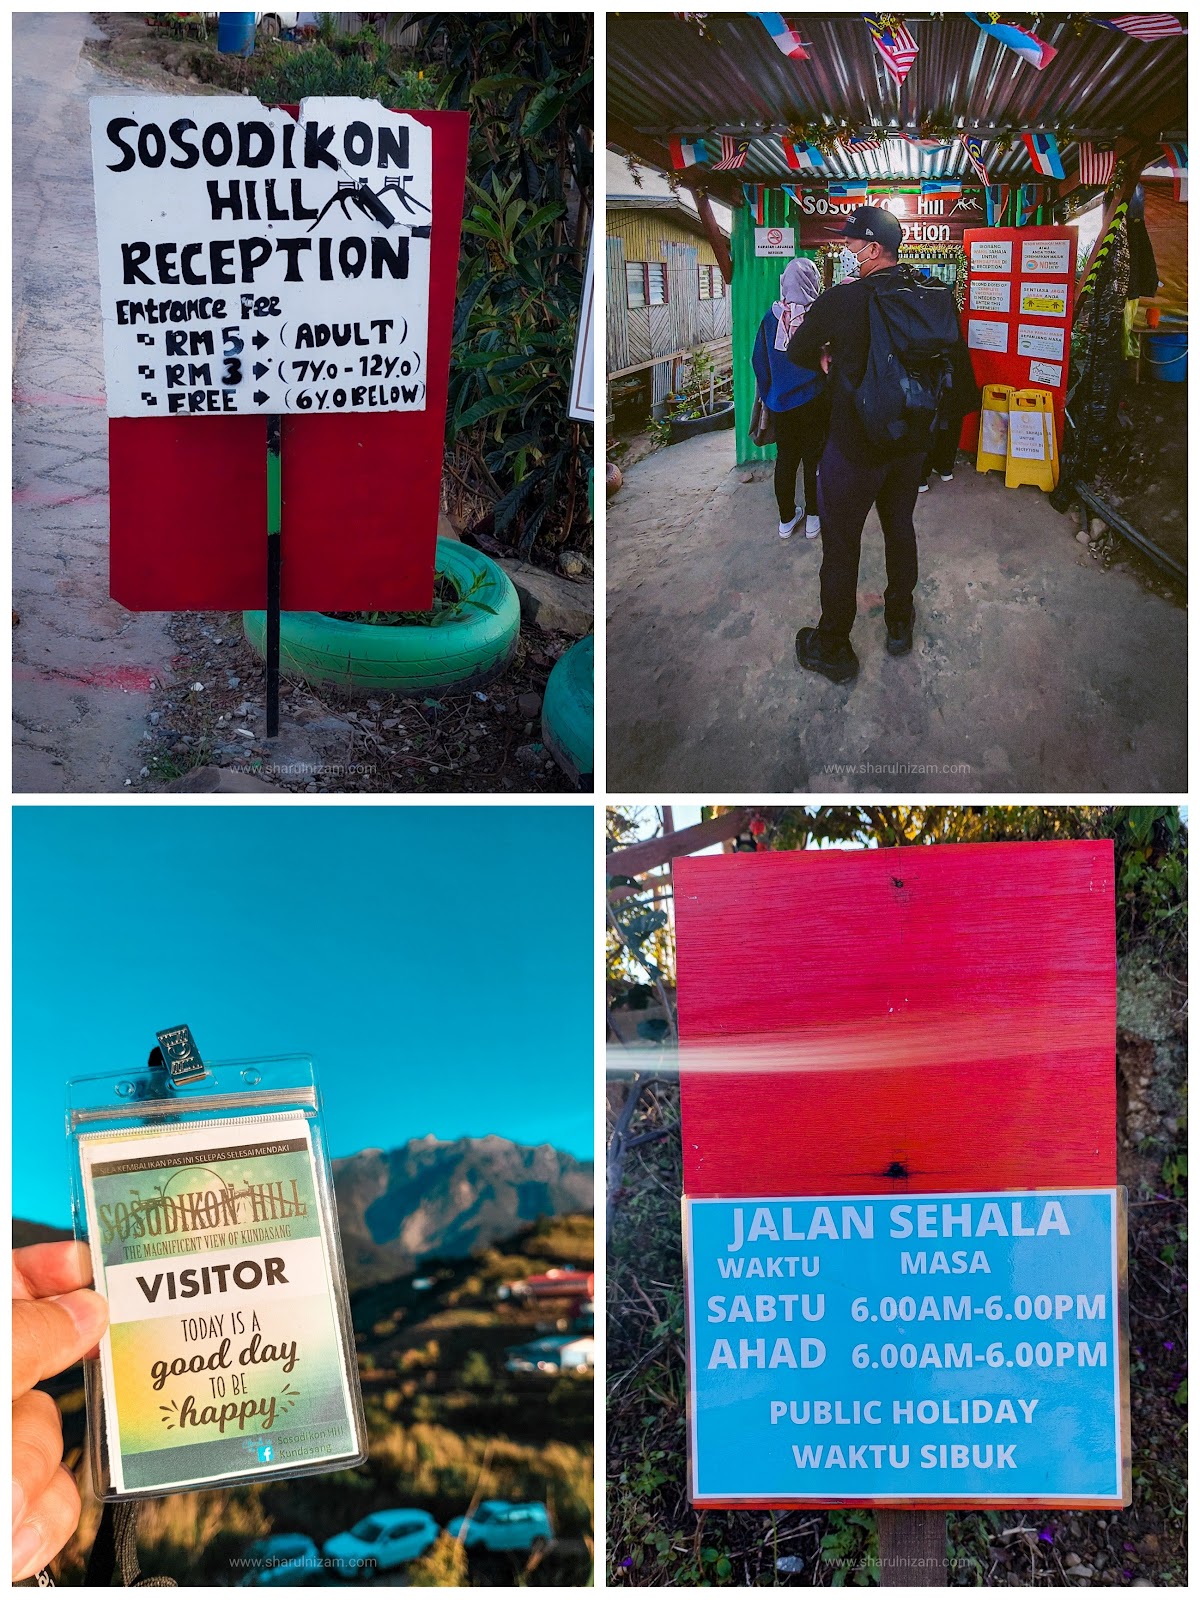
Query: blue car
501	1525
284	1558
381	1541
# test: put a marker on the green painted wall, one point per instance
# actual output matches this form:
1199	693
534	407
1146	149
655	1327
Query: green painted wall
755	286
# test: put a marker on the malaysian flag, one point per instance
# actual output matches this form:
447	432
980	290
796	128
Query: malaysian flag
1096	162
854	141
756	199
854	191
801	157
996	195
1146	25
974	148
687	153
1176	155
1025	44
786	38
733	153
1043	152
895	44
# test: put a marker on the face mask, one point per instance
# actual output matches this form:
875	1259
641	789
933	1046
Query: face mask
849	263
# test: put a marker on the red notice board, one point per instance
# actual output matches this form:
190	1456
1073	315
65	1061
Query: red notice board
1030	348
360	490
937	1018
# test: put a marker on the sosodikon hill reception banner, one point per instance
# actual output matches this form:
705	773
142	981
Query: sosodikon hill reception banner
257	263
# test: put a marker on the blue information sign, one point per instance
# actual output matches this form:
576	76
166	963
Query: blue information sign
939	1348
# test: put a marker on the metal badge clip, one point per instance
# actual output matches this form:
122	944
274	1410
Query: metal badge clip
180	1055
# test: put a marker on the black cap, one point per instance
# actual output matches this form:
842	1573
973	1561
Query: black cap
872	222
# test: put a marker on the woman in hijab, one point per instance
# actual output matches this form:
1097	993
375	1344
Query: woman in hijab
796	397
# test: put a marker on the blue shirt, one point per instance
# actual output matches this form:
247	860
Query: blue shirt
782	385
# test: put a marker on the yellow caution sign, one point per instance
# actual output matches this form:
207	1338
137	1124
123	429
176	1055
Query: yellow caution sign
992	455
1032	445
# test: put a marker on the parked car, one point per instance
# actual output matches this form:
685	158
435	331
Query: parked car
500	1525
381	1541
284	1558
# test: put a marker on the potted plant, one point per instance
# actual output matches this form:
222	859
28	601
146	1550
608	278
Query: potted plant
694	407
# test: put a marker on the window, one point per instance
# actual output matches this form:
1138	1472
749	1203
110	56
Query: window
645	283
712	284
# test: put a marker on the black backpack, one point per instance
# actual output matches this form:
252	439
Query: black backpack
913	328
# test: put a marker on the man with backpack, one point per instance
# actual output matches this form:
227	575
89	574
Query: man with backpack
889	335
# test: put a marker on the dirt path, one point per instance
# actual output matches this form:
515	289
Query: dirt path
83	665
1033	669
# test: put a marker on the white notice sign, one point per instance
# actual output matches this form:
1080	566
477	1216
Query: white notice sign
1045	372
991	255
774	241
583	374
1043	299
1045	255
1045	343
991	294
1027	435
250	262
987	335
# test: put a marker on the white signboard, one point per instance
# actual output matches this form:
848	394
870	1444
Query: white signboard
252	262
1045	372
991	294
991	255
583	382
1046	255
1027	435
987	335
1044	343
994	432
774	241
1043	299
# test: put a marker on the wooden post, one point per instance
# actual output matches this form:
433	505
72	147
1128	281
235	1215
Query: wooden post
720	244
912	1549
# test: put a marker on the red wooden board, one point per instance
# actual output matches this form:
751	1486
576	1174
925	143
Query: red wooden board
360	490
993	366
949	1009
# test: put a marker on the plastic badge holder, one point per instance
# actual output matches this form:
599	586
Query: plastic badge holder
206	1199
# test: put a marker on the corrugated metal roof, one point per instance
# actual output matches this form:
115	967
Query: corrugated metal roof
684	214
665	78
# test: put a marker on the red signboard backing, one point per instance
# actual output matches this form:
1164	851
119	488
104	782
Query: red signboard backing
361	491
992	366
925	1019
947	1013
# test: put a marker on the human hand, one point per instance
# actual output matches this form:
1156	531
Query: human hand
56	1321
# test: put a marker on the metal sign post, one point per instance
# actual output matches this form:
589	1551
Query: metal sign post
274	567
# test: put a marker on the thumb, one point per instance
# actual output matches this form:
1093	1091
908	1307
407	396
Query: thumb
51	1335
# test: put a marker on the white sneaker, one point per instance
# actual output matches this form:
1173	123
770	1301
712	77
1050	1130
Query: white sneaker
946	477
786	529
812	527
922	488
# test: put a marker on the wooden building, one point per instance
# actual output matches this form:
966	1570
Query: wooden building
665	295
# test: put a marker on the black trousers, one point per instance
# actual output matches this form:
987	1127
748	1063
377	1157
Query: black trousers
799	437
943	449
848	490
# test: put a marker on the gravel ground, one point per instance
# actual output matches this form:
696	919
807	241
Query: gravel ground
211	711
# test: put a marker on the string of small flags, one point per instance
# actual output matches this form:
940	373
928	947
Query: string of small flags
1025	44
1043	152
895	44
1145	25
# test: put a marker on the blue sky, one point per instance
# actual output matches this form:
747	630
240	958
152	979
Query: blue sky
436	962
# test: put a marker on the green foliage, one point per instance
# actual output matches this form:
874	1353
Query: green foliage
358	66
692	398
851	1548
526	80
450	604
1175	1173
476	1373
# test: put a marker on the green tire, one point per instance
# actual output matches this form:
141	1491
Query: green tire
567	710
462	654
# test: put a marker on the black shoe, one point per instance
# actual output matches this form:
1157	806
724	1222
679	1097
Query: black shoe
837	662
899	637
